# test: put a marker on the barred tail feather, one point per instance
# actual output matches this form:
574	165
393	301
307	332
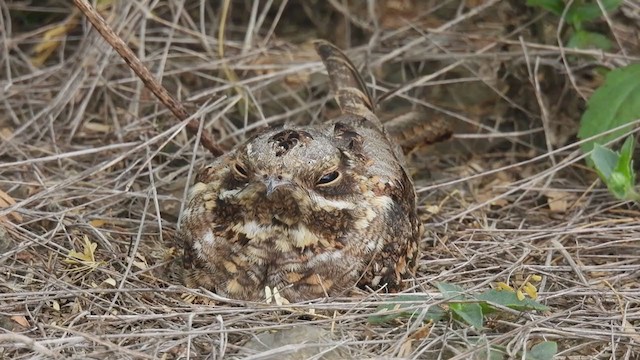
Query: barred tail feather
347	84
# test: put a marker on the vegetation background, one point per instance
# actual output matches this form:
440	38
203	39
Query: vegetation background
93	170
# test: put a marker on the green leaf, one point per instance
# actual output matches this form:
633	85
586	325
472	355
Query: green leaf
619	185
510	300
583	12
381	316
615	103
471	313
555	6
543	351
625	160
605	161
589	40
616	169
450	291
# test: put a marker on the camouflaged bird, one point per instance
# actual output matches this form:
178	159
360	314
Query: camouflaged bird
309	211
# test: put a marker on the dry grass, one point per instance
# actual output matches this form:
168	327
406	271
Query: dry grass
90	157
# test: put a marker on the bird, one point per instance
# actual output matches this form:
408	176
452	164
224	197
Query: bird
306	211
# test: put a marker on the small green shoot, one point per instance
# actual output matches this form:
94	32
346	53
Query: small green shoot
616	169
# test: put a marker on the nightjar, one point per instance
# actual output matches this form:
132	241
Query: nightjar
311	211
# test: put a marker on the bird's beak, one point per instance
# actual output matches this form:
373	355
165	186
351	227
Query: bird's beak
274	183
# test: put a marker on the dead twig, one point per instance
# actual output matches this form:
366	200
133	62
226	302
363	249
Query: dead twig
145	75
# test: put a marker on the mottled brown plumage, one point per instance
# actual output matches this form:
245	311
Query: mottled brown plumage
312	210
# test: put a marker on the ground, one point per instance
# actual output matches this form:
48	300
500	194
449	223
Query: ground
93	170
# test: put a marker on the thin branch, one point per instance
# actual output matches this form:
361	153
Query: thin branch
145	75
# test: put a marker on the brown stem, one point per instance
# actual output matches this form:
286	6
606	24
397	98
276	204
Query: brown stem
143	73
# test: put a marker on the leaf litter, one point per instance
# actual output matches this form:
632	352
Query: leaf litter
83	147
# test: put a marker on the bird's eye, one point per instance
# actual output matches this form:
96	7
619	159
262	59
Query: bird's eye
329	178
240	170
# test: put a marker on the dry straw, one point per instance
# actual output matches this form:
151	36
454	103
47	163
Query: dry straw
93	170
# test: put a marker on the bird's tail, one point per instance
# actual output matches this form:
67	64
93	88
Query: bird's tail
347	84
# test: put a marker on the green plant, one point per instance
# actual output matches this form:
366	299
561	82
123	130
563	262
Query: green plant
468	309
616	169
613	105
471	309
577	15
